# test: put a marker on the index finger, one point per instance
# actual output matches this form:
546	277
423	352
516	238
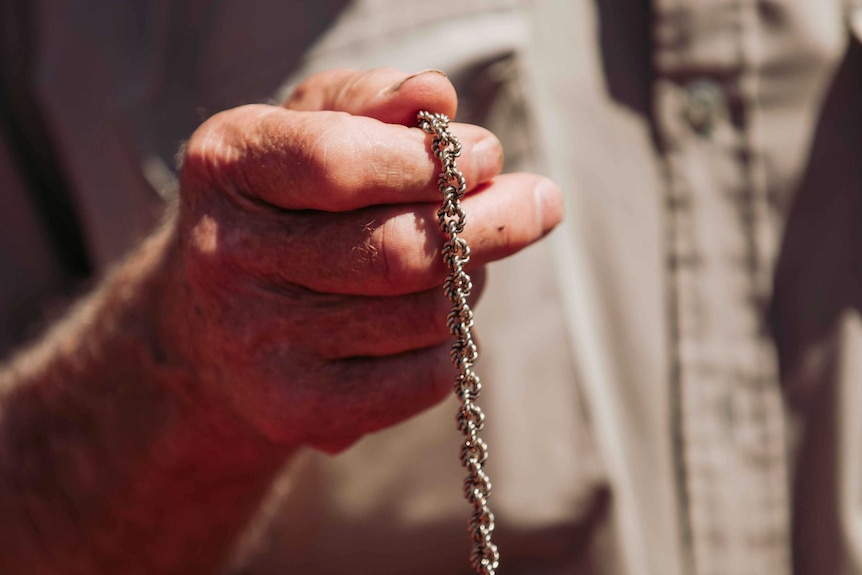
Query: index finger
328	161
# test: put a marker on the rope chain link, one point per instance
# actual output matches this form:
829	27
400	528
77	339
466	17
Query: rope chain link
485	557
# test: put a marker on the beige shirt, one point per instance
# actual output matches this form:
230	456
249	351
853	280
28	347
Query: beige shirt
671	379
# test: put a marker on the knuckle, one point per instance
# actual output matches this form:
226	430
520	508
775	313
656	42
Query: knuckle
387	243
233	150
402	252
210	146
370	255
212	156
211	250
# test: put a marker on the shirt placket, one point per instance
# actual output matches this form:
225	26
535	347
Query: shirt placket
728	416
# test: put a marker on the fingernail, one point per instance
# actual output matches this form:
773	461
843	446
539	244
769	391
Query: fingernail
397	86
487	157
549	204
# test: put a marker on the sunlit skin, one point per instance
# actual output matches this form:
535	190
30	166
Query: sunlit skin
291	298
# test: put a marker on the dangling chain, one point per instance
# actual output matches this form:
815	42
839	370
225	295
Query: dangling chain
474	452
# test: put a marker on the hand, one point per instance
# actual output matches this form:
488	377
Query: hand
308	273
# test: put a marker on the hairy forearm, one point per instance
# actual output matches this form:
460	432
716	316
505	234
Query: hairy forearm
111	458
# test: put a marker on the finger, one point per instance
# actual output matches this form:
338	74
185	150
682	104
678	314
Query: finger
386	94
326	161
393	250
338	327
370	394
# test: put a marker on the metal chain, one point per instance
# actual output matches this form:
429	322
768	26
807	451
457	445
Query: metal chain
456	253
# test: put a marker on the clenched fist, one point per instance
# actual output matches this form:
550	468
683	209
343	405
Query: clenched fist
307	278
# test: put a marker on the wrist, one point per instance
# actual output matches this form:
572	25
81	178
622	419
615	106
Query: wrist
107	412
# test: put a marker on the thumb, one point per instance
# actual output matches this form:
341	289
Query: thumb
386	94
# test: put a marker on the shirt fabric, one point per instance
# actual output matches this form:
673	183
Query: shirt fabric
671	377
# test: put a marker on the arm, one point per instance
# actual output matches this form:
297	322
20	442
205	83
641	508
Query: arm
109	460
292	300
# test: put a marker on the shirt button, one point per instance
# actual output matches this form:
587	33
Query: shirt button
704	106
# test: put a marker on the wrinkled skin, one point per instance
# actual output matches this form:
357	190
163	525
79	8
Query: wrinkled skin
293	299
309	281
